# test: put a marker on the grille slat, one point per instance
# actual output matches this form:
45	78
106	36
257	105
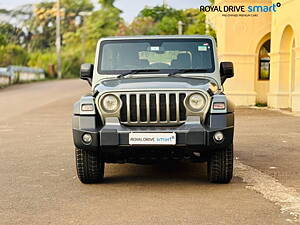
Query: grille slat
143	108
133	108
163	108
153	116
123	112
138	110
157	107
168	106
128	106
177	108
182	107
148	107
172	107
152	108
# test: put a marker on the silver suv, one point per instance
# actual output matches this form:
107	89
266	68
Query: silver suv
153	99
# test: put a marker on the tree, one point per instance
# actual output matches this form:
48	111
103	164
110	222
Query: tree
141	26
10	34
107	3
43	26
159	12
167	26
195	21
101	23
43	22
15	29
165	20
3	40
72	9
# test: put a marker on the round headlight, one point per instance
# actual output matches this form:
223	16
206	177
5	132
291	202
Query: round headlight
110	103
196	102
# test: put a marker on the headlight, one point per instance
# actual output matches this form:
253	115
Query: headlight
195	102
110	103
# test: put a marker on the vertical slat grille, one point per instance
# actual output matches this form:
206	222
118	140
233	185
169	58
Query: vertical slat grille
143	110
153	116
152	108
177	107
123	112
163	108
172	106
133	107
182	110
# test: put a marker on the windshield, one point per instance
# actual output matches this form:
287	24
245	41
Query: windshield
156	55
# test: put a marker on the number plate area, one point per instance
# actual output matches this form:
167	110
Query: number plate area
152	139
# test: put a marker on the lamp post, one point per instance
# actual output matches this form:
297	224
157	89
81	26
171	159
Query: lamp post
180	27
58	41
83	37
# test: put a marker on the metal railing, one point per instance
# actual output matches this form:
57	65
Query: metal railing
14	74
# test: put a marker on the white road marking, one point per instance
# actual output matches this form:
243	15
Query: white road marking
287	198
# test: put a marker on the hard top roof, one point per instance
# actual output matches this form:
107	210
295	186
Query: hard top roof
145	37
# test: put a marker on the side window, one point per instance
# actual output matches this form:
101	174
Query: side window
264	61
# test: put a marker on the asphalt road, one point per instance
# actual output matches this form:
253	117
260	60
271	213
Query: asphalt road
39	184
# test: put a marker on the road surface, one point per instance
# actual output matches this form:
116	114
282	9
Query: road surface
39	184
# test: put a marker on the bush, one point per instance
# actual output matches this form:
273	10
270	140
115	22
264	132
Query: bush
13	55
71	64
42	60
3	40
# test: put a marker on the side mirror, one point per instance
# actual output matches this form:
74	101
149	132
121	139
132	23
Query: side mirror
86	72
226	71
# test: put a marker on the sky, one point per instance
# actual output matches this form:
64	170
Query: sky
130	8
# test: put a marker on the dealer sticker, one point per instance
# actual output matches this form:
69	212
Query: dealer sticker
154	48
202	48
152	138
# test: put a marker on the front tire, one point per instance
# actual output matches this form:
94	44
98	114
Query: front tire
220	165
90	166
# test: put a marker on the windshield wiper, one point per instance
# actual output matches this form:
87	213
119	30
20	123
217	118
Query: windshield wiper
181	71
136	72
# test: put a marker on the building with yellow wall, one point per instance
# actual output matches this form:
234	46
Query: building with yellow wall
265	50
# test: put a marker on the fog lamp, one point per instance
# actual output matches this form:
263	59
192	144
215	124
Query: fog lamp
87	138
218	137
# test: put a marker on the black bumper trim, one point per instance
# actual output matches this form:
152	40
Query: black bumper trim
186	136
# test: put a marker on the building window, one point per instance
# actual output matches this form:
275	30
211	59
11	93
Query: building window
264	61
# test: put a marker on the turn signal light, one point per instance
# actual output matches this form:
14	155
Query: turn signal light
219	106
87	107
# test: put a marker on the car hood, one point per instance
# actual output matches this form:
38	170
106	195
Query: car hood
161	83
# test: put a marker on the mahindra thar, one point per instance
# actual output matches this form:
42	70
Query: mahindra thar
154	99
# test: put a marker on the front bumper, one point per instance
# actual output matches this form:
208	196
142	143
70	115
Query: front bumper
189	135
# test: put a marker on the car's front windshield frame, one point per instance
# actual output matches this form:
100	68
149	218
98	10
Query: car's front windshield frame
157	71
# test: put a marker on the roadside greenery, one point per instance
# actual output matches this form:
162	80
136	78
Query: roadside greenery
34	44
12	54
